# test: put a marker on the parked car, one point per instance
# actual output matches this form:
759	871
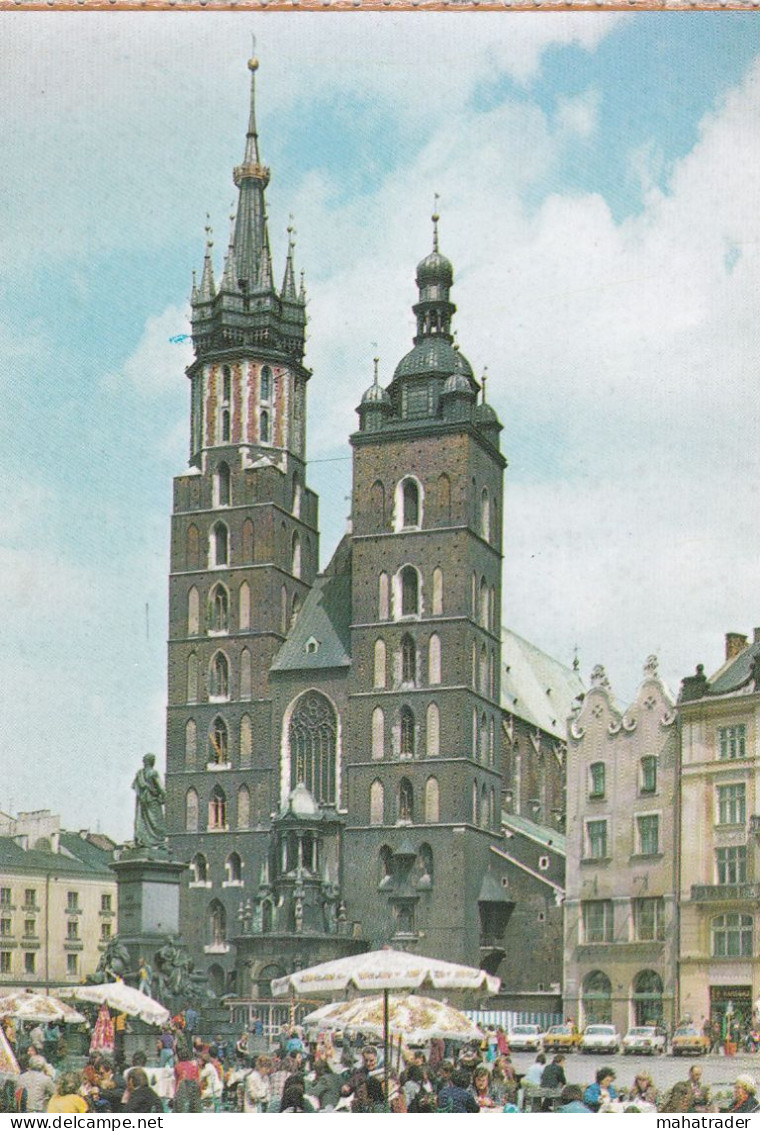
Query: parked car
600	1038
561	1038
689	1041
526	1038
646	1039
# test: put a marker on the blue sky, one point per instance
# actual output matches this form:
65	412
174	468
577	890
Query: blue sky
598	176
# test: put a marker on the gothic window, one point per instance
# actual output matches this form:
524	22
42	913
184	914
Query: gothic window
410	503
432	801
296	502
379	678
233	869
295	608
405	800
378	733
193	612
474	733
191	811
410	591
224	425
474	677
483	738
191	744
248	541
244	606
425	864
192	678
492	608
492	675
218	743
406	748
376	803
483	603
262	803
222	485
437	592
226	384
444	500
484	807
266	384
219	677
245	675
264	435
383	602
193	553
434	659
217	925
284	609
243	807
295	555
433	731
246	741
217	809
219	545
485	515
199	868
313	746
408	659
483	687
474	596
377	504
492	811
474	803
491	742
219	609
385	865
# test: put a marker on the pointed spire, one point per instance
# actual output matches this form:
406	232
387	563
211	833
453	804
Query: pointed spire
376	363
289	279
208	287
302	289
194	291
252	137
253	260
435	218
229	276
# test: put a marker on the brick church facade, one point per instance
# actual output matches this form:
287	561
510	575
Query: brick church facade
334	766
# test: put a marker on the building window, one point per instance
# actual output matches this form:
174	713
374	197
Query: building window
219	609
266	383
313	744
597	999
6	927
105	931
732	741
220	544
243	807
72	901
378	733
648	920
5	897
72	965
217	809
191	811
406	748
295	555
219	682
30	962
222	485
376	803
5	961
596	840
410	503
596	779
433	731
410	591
218	743
264	435
597	921
383	601
408	660
106	902
224	435
199	869
647	998
405	800
193	612
434	659
485	515
30	899
731	936
731	864
648	830
226	384
437	591
233	869
648	774
732	804
379	679
30	928
432	801
72	929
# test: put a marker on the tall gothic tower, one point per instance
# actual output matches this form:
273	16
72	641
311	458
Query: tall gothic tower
244	553
423	764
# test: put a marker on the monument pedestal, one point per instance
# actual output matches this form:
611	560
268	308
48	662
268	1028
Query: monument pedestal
147	901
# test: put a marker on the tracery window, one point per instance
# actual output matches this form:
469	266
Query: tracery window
219	609
312	736
406	749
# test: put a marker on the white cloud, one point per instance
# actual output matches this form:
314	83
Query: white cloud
163	352
579	115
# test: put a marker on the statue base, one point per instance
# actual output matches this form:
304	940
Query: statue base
147	900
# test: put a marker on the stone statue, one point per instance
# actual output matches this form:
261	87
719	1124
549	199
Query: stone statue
150	820
114	964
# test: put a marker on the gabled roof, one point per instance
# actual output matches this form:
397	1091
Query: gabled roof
734	673
536	687
14	858
548	838
321	636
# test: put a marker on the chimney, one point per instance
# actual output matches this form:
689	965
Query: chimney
756	636
735	643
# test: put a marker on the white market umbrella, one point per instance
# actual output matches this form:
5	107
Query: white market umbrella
416	1019
28	1006
122	998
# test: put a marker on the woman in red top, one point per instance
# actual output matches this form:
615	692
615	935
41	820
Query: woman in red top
187	1097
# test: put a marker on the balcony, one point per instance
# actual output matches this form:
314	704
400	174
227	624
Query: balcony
725	893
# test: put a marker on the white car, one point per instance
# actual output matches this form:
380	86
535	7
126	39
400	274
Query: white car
526	1038
600	1038
646	1039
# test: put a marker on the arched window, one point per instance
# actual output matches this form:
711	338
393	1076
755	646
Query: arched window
432	801
648	774
266	384
191	811
193	550
378	733
405	800
483	603
647	998
410	591
474	666
226	384
383	597
233	869
218	743
219	545
377	504
284	609
474	595
406	748
248	541
474	733
217	925
262	803
492	608
434	659
243	807
493	822
217	809
219	609
597	998
246	741
191	744
484	807
492	674
385	866
731	936
295	555
485	515
425	866
244	606
491	742
313	746
433	731
245	674
483	743
376	803
408	659
219	677
222	485
224	426
295	608
437	591
192	678
199	869
193	612
474	803
410	503
483	684
444	500
380	672
264	436
296	502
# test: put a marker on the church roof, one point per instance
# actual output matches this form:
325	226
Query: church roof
549	838
321	635
536	687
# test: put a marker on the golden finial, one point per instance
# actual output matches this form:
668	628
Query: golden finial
253	63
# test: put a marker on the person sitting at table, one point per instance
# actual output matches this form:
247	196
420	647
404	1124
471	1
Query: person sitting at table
553	1076
481	1088
602	1091
572	1100
140	1095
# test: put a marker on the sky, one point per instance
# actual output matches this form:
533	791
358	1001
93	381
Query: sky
599	180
